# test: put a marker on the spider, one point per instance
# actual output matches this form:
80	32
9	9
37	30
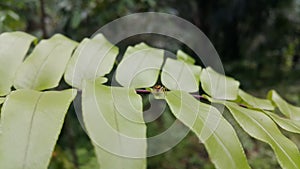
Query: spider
159	88
159	91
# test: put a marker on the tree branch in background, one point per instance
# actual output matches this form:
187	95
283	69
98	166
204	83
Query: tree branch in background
42	19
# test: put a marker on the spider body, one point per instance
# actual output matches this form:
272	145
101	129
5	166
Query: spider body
159	89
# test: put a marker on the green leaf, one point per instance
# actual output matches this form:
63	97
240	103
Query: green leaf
92	59
13	48
285	123
178	75
2	100
140	66
113	118
255	102
219	86
31	122
218	136
44	67
260	126
287	109
185	57
101	80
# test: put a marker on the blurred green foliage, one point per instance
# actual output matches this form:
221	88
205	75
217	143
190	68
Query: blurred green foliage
257	38
258	42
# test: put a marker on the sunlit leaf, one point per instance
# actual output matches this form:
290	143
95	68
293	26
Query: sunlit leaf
185	57
256	102
285	123
2	100
92	59
101	80
31	122
114	121
13	48
218	136
140	66
287	109
45	66
219	86
178	75
260	126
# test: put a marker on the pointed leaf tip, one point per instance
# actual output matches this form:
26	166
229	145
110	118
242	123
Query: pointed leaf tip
287	109
219	86
255	102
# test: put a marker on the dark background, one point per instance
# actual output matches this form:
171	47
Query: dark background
258	42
